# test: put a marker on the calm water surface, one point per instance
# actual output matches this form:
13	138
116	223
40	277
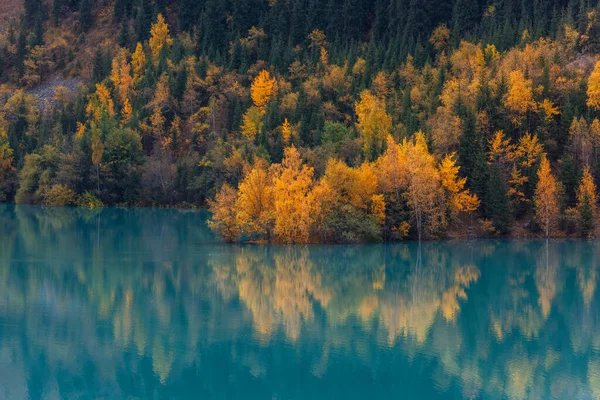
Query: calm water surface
147	304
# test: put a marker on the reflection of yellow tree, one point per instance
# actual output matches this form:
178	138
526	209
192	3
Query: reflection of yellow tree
451	297
280	295
593	376
546	278
520	376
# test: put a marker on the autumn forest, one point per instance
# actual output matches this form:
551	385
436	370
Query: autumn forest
305	121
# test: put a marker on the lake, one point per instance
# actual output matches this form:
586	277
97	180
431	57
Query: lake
146	303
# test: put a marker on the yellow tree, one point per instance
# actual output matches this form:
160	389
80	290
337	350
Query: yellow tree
100	102
224	214
255	203
546	201
138	60
457	198
586	202
252	123
126	112
121	75
293	200
97	151
263	88
593	90
392	168
424	192
286	131
374	123
440	38
159	37
6	158
581	140
519	99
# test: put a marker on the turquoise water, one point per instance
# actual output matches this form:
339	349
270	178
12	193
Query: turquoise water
147	304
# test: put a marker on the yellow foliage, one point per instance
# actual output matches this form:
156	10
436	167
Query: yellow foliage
127	111
459	198
392	168
100	102
292	184
121	75
159	37
582	140
440	37
593	90
252	122
80	131
374	122
263	89
501	149
6	155
587	190
547	206
423	195
224	214
286	131
138	60
355	186
549	110
519	99
529	151
255	203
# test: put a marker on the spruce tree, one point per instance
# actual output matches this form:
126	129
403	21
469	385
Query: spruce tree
496	202
86	18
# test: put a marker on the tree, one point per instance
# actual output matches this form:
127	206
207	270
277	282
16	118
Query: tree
374	123
224	214
519	99
593	90
546	201
6	165
263	89
293	200
255	203
424	192
348	207
97	152
252	123
286	131
121	75
581	141
86	18
458	199
138	61
100	103
159	38
496	204
586	203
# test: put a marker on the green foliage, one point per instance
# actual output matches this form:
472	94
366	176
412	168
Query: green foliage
334	132
496	202
37	175
88	200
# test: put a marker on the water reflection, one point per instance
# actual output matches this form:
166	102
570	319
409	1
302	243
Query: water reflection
145	303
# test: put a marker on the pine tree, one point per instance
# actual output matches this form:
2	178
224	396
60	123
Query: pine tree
496	204
86	18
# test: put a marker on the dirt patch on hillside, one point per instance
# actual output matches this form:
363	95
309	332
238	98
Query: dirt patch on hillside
45	92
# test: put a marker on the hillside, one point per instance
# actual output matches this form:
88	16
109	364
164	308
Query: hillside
309	120
9	10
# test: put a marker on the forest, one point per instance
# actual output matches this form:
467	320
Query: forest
304	121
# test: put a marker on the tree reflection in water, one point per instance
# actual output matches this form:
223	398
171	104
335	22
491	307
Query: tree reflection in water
145	303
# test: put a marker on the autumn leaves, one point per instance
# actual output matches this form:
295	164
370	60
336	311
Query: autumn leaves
285	203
